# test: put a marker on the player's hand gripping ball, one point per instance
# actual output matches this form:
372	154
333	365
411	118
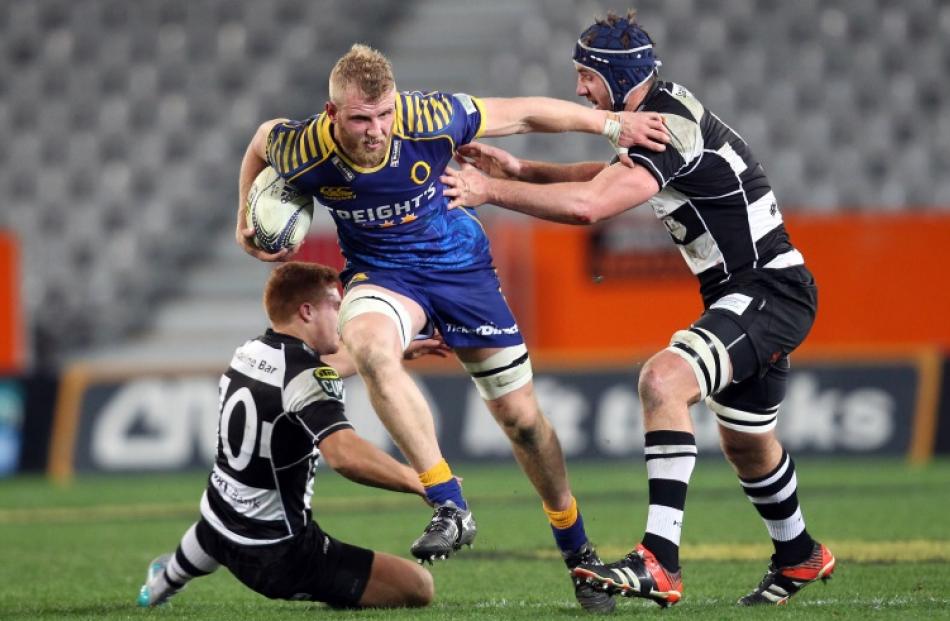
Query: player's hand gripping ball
279	213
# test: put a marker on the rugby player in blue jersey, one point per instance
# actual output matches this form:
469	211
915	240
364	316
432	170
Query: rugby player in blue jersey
760	302
373	158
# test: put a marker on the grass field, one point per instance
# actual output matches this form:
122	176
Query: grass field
80	552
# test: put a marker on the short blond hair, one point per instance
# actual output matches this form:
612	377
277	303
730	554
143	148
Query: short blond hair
365	68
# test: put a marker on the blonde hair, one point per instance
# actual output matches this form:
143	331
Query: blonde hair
365	68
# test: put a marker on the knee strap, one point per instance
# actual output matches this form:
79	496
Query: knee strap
362	300
706	355
741	420
501	373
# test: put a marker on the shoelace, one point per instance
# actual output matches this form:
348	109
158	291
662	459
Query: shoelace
626	560
440	521
769	578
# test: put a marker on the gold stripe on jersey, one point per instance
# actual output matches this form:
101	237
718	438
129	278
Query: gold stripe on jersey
316	134
408	113
443	110
302	150
288	147
324	135
273	146
481	115
311	140
292	149
426	117
399	115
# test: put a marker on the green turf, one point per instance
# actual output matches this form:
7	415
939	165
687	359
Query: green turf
80	552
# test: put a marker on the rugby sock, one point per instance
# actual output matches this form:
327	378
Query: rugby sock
670	457
776	499
568	527
189	561
442	486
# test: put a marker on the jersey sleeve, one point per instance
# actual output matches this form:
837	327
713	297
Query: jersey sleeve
313	396
457	116
295	146
686	146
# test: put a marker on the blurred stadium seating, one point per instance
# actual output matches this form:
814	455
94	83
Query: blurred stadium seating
124	123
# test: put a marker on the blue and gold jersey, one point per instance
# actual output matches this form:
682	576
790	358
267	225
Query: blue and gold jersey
391	216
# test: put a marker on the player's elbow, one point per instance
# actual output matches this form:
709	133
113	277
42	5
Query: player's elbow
585	210
341	463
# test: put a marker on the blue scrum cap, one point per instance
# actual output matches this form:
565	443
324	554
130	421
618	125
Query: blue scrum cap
620	52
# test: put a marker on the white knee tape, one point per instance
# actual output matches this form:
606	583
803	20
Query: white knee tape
747	422
361	300
706	355
501	373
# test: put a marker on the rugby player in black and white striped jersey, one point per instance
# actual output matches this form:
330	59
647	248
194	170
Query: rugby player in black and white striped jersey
760	302
281	410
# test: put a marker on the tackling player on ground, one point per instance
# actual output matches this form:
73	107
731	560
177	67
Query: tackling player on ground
374	158
281	408
760	302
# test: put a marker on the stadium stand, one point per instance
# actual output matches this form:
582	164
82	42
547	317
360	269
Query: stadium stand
125	123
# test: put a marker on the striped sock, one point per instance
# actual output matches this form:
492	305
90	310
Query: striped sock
442	486
189	561
568	527
670	457
776	499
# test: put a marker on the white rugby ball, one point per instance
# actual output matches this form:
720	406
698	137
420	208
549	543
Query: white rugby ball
279	213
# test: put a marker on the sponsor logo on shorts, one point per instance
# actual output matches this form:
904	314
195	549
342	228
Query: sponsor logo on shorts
485	329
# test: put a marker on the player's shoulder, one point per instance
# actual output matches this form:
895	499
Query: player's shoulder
420	115
307	378
298	145
672	98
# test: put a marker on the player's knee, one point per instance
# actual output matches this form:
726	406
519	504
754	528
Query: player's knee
422	590
654	386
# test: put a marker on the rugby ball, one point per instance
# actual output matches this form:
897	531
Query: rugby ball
279	213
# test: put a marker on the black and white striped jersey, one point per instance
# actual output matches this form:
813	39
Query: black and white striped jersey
278	401
715	199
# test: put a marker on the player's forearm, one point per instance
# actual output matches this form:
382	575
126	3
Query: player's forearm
549	172
368	465
254	161
519	115
567	203
251	166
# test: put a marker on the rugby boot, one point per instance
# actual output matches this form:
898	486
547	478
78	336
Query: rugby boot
156	589
449	529
638	574
591	599
780	583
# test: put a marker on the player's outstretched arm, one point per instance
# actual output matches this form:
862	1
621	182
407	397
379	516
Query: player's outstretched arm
364	463
501	164
614	190
519	115
254	161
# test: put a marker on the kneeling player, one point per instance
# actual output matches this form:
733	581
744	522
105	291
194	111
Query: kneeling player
281	408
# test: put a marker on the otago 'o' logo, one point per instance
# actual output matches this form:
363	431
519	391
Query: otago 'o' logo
420	172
